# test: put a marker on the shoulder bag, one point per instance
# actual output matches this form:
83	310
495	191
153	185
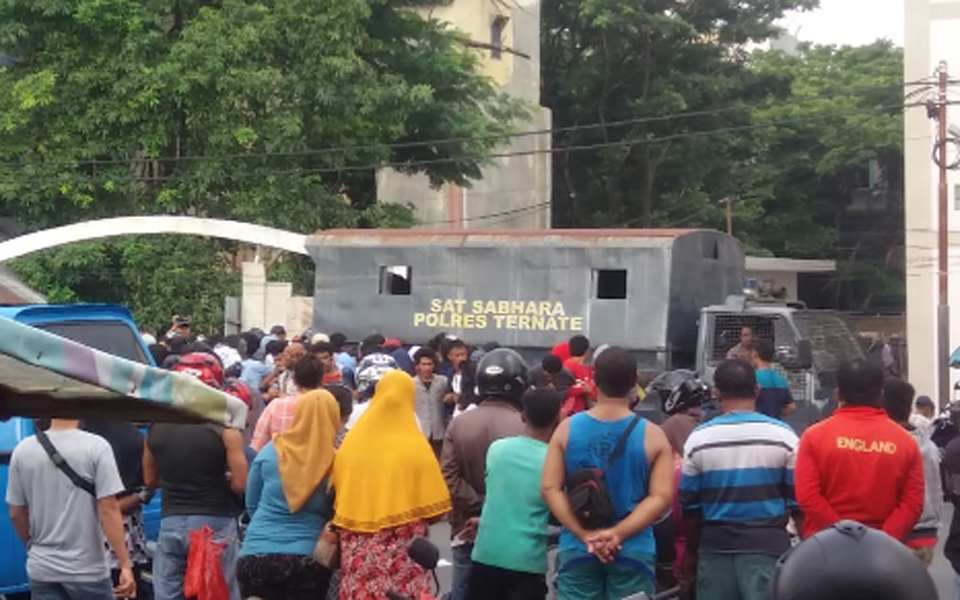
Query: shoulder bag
587	489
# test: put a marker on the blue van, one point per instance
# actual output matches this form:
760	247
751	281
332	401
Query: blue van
104	327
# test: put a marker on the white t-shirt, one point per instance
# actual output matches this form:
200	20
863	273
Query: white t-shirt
67	541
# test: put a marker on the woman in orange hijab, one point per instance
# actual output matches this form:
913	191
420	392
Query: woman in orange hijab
288	503
388	488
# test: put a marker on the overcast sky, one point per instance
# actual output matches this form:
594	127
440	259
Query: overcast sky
851	22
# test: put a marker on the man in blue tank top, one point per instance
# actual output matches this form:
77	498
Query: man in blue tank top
615	561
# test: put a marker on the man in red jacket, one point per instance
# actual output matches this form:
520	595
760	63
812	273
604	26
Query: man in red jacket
858	464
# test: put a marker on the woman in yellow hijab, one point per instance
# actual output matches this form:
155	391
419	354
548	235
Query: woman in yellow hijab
288	503
388	488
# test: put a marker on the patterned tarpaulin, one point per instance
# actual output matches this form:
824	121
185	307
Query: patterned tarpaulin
42	374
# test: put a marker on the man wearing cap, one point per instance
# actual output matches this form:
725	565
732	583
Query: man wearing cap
179	328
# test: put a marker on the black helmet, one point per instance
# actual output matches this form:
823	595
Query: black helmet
679	390
850	561
502	374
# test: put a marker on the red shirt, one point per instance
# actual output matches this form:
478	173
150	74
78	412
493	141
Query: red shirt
859	465
581	372
329	378
582	389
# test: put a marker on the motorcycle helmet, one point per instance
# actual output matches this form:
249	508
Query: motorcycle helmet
502	374
678	391
370	370
203	366
241	391
851	561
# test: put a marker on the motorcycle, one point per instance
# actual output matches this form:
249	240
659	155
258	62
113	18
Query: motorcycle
423	552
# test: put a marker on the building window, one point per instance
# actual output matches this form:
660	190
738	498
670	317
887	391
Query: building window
610	284
496	37
395	280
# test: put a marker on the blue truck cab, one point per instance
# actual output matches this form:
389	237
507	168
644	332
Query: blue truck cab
107	328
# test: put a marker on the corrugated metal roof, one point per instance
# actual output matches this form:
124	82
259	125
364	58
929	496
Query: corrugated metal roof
487	237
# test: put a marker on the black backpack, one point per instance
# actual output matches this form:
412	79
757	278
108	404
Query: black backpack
587	489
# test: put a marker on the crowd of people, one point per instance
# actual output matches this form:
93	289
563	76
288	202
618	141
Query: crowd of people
351	454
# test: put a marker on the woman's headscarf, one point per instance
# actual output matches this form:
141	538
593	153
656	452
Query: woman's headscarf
386	473
305	451
562	351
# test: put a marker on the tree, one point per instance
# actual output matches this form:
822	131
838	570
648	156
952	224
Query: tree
837	140
156	277
276	112
616	63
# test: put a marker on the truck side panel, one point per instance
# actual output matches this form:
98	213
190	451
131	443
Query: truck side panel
520	293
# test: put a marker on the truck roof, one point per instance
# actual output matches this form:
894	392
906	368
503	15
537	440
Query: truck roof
619	238
42	313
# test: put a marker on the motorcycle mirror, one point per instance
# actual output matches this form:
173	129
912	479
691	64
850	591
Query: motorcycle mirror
424	552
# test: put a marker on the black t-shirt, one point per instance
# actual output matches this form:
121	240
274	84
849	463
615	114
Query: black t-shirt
561	382
127	443
192	461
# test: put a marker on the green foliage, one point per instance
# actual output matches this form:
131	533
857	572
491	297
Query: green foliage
789	138
608	61
275	112
817	147
156	276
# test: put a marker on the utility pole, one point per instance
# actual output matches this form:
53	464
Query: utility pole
729	216
943	308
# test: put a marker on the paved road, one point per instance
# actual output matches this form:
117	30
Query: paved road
941	570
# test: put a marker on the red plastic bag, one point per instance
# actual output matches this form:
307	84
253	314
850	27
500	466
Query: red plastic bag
204	579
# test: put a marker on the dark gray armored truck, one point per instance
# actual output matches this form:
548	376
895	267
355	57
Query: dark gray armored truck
673	297
529	290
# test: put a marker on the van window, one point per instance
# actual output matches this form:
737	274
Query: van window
111	337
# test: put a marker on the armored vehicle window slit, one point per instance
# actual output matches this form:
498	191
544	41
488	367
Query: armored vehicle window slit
610	284
396	280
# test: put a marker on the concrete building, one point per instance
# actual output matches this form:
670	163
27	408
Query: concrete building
932	28
514	191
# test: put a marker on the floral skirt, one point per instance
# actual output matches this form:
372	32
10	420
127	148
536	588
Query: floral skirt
371	564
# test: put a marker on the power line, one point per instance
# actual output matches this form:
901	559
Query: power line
447	160
460	140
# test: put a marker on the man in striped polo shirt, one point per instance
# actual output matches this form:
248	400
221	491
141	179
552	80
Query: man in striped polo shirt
736	491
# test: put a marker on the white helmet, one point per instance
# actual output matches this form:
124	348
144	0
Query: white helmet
370	370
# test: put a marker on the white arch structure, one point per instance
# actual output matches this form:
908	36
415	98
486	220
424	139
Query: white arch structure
115	227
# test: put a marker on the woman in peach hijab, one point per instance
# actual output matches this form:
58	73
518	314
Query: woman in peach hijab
388	488
288	502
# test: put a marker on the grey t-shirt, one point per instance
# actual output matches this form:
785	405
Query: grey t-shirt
66	542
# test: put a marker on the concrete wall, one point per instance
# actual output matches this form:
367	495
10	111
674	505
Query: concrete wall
514	191
265	303
932	28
